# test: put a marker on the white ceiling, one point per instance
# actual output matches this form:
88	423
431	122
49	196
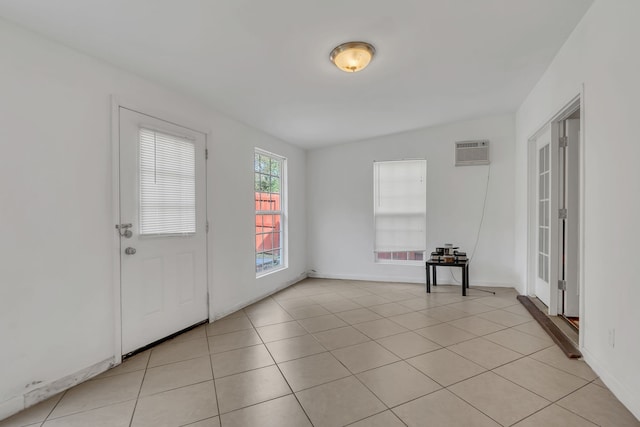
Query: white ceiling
265	62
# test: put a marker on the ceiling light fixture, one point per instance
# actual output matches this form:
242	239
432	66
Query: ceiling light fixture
352	56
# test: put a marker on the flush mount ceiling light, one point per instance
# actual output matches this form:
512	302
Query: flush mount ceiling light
352	56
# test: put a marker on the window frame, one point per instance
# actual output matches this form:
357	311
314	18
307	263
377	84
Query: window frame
282	212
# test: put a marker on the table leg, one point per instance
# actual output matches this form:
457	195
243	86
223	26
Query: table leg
428	278
465	279
435	278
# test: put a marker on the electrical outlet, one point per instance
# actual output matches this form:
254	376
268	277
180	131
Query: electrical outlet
612	338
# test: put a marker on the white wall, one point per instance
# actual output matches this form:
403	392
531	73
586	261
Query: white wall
602	53
56	246
340	202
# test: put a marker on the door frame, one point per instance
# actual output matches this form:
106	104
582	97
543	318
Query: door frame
577	102
118	102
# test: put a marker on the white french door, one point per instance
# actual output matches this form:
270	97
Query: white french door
162	228
546	221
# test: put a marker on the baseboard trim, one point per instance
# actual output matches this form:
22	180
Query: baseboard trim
19	403
240	306
629	399
401	279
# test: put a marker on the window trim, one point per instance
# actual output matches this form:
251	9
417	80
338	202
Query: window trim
283	212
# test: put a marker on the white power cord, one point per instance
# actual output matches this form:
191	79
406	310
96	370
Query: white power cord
484	206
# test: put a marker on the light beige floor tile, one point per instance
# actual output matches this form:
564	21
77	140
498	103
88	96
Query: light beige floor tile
445	366
132	364
533	328
477	325
340	337
170	352
599	382
339	403
600	406
554	416
358	316
548	382
553	356
445	334
240	360
353	293
417	303
383	419
323	299
98	393
281	331
368	355
35	414
471	307
485	353
209	422
445	314
195	333
338	305
294	348
233	341
369	300
398	383
518	309
306	311
225	326
281	412
500	399
390	309
518	341
498	301
379	328
313	370
118	415
505	318
288	304
414	320
249	388
408	344
269	317
174	375
396	296
322	323
176	407
442	409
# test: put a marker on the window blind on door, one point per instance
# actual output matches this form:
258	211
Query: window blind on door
400	204
167	184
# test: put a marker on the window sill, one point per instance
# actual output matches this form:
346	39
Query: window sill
271	271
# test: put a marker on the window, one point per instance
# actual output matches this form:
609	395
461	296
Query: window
270	211
400	211
167	184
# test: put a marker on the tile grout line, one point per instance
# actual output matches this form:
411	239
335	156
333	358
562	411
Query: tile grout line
213	379
283	376
135	406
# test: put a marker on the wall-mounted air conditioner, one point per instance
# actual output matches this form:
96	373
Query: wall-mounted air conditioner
471	153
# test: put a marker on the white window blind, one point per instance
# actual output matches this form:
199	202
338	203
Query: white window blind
400	204
167	184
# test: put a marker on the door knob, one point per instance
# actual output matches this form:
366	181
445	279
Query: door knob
130	251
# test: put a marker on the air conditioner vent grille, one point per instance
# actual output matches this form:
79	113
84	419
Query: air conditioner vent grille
470	153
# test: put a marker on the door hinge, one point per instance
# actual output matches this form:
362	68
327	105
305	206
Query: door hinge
562	285
562	213
564	141
207	228
206	154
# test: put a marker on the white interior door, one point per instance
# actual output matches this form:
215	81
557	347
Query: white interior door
571	223
546	221
163	229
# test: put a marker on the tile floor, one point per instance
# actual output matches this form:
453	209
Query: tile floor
335	353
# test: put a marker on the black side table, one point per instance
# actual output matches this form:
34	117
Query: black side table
431	267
